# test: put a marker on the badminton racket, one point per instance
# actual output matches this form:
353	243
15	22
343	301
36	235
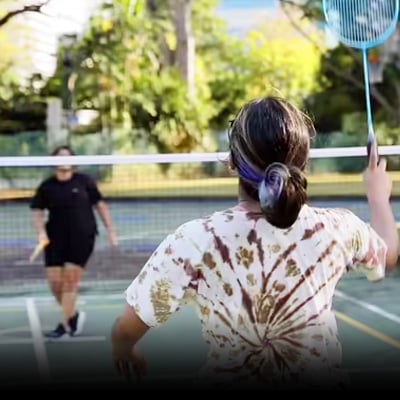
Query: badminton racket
362	24
38	249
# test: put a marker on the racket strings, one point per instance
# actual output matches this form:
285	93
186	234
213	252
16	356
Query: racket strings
362	23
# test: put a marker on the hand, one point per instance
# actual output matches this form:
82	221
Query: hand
378	184
128	360
112	237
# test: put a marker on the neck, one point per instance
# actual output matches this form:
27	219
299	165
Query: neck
63	176
245	201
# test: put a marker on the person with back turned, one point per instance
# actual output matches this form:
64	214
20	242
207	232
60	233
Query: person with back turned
262	274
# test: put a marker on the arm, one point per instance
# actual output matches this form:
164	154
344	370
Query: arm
383	222
38	206
126	332
105	216
159	290
378	188
38	224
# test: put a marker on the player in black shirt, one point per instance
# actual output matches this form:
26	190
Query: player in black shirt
69	197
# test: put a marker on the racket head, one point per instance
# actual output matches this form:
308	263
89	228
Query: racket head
361	24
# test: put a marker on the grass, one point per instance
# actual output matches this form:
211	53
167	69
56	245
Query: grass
320	185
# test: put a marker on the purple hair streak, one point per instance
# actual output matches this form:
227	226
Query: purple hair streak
270	186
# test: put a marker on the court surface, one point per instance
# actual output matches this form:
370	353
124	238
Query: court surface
368	317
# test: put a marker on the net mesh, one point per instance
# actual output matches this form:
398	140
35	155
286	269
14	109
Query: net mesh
149	196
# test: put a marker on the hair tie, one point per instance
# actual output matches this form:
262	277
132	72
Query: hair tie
271	187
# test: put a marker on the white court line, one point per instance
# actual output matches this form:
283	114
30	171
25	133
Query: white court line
80	339
38	342
20	302
15	341
144	235
370	307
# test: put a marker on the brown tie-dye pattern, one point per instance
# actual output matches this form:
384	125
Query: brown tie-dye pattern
244	257
228	289
308	233
208	260
160	298
291	268
252	238
264	295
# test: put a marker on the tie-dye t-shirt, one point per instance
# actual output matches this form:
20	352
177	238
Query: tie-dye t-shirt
264	295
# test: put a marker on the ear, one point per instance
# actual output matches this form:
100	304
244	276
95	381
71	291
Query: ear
229	163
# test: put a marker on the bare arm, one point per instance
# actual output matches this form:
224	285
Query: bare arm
384	223
104	213
378	188
126	332
38	224
105	216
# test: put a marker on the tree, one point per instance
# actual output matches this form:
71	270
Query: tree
344	87
9	15
283	61
21	107
123	74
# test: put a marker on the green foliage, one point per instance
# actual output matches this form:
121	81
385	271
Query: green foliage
21	109
124	66
284	62
126	69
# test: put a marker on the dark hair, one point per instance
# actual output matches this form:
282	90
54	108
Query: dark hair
269	144
62	147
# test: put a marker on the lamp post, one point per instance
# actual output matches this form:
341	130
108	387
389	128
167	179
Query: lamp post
67	42
107	95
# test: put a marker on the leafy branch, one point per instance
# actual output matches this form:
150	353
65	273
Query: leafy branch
34	8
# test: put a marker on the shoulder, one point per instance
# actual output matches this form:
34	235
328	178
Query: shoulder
48	182
83	177
342	219
189	229
202	230
329	213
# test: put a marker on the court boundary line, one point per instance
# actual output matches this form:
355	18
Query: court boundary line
368	330
37	340
78	339
369	307
19	301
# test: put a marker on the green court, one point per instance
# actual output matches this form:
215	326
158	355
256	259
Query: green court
368	314
368	318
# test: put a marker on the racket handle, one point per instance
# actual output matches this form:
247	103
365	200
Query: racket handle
372	146
369	147
38	249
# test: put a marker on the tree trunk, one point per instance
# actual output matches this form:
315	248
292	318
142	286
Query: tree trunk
185	52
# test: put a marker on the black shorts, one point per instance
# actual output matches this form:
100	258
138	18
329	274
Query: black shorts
74	250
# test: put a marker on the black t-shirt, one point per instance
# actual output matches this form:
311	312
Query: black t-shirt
69	204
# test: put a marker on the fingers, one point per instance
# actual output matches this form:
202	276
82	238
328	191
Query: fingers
129	368
373	154
382	164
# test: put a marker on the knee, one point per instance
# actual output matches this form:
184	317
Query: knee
55	282
70	282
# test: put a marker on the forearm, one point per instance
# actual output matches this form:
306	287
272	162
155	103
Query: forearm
38	221
384	223
105	215
128	328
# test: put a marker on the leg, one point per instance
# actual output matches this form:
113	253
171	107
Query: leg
71	278
79	251
54	258
54	276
